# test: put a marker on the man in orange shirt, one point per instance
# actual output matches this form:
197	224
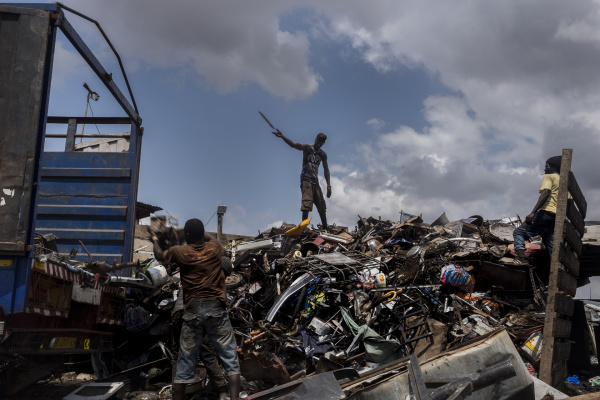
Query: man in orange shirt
205	301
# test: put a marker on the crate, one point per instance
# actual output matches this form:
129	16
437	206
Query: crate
49	292
111	310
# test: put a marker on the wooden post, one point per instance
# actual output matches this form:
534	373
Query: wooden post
70	143
549	332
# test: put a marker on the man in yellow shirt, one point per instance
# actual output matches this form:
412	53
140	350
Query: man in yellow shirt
541	219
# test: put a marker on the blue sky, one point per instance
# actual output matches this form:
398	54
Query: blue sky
429	106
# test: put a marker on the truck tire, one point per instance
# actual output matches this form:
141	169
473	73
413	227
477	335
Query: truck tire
234	281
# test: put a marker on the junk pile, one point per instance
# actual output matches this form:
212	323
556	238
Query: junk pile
308	303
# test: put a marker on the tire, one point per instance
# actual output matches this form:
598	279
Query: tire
234	281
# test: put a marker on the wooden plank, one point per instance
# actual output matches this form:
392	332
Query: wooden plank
575	217
573	238
90	120
69	234
82	210
71	130
578	196
588	396
86	172
547	356
561	329
564	305
568	259
567	282
559	373
562	351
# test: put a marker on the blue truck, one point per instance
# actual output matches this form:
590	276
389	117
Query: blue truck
79	205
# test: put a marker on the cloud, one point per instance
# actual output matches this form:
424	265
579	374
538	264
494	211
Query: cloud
376	123
67	62
526	83
523	79
449	166
229	44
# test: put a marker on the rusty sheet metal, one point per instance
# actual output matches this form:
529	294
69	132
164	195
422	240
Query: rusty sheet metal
264	366
25	37
23	45
324	386
491	274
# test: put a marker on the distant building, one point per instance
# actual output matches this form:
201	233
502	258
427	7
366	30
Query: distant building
104	145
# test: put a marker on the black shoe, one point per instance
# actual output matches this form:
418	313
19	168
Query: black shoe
521	256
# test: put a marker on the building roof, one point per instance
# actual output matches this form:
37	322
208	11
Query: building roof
143	210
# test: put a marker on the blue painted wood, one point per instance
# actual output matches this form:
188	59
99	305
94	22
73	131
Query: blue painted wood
87	196
48	210
87	172
37	6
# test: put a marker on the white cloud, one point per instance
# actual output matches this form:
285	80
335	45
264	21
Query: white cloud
376	123
339	169
524	79
67	62
229	44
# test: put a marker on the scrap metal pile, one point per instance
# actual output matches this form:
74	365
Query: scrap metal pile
334	299
304	301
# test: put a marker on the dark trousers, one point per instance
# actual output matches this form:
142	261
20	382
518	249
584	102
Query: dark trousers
542	225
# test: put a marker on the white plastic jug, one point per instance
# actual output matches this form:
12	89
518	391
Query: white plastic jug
158	275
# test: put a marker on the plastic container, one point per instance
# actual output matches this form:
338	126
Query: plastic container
158	275
380	280
457	275
533	346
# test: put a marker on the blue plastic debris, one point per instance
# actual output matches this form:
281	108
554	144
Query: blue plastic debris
573	379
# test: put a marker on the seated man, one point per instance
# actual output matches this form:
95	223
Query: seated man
540	221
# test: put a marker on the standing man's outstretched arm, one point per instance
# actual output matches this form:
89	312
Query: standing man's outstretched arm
290	143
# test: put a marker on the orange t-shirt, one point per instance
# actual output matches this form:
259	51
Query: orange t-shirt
200	268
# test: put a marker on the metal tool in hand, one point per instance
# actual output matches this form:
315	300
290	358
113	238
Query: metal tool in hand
268	122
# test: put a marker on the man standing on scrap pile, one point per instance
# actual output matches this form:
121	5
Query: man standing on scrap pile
205	300
309	178
541	219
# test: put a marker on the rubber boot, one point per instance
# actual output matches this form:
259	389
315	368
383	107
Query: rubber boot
304	215
234	386
179	391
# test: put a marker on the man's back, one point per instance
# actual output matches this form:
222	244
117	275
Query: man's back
200	269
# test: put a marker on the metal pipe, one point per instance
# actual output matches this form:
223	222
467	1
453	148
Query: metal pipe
390	288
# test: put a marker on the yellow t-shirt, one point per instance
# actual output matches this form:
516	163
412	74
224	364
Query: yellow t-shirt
550	181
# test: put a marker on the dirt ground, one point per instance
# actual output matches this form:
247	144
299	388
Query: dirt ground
57	390
51	391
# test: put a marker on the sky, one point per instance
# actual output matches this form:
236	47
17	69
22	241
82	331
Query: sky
429	106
